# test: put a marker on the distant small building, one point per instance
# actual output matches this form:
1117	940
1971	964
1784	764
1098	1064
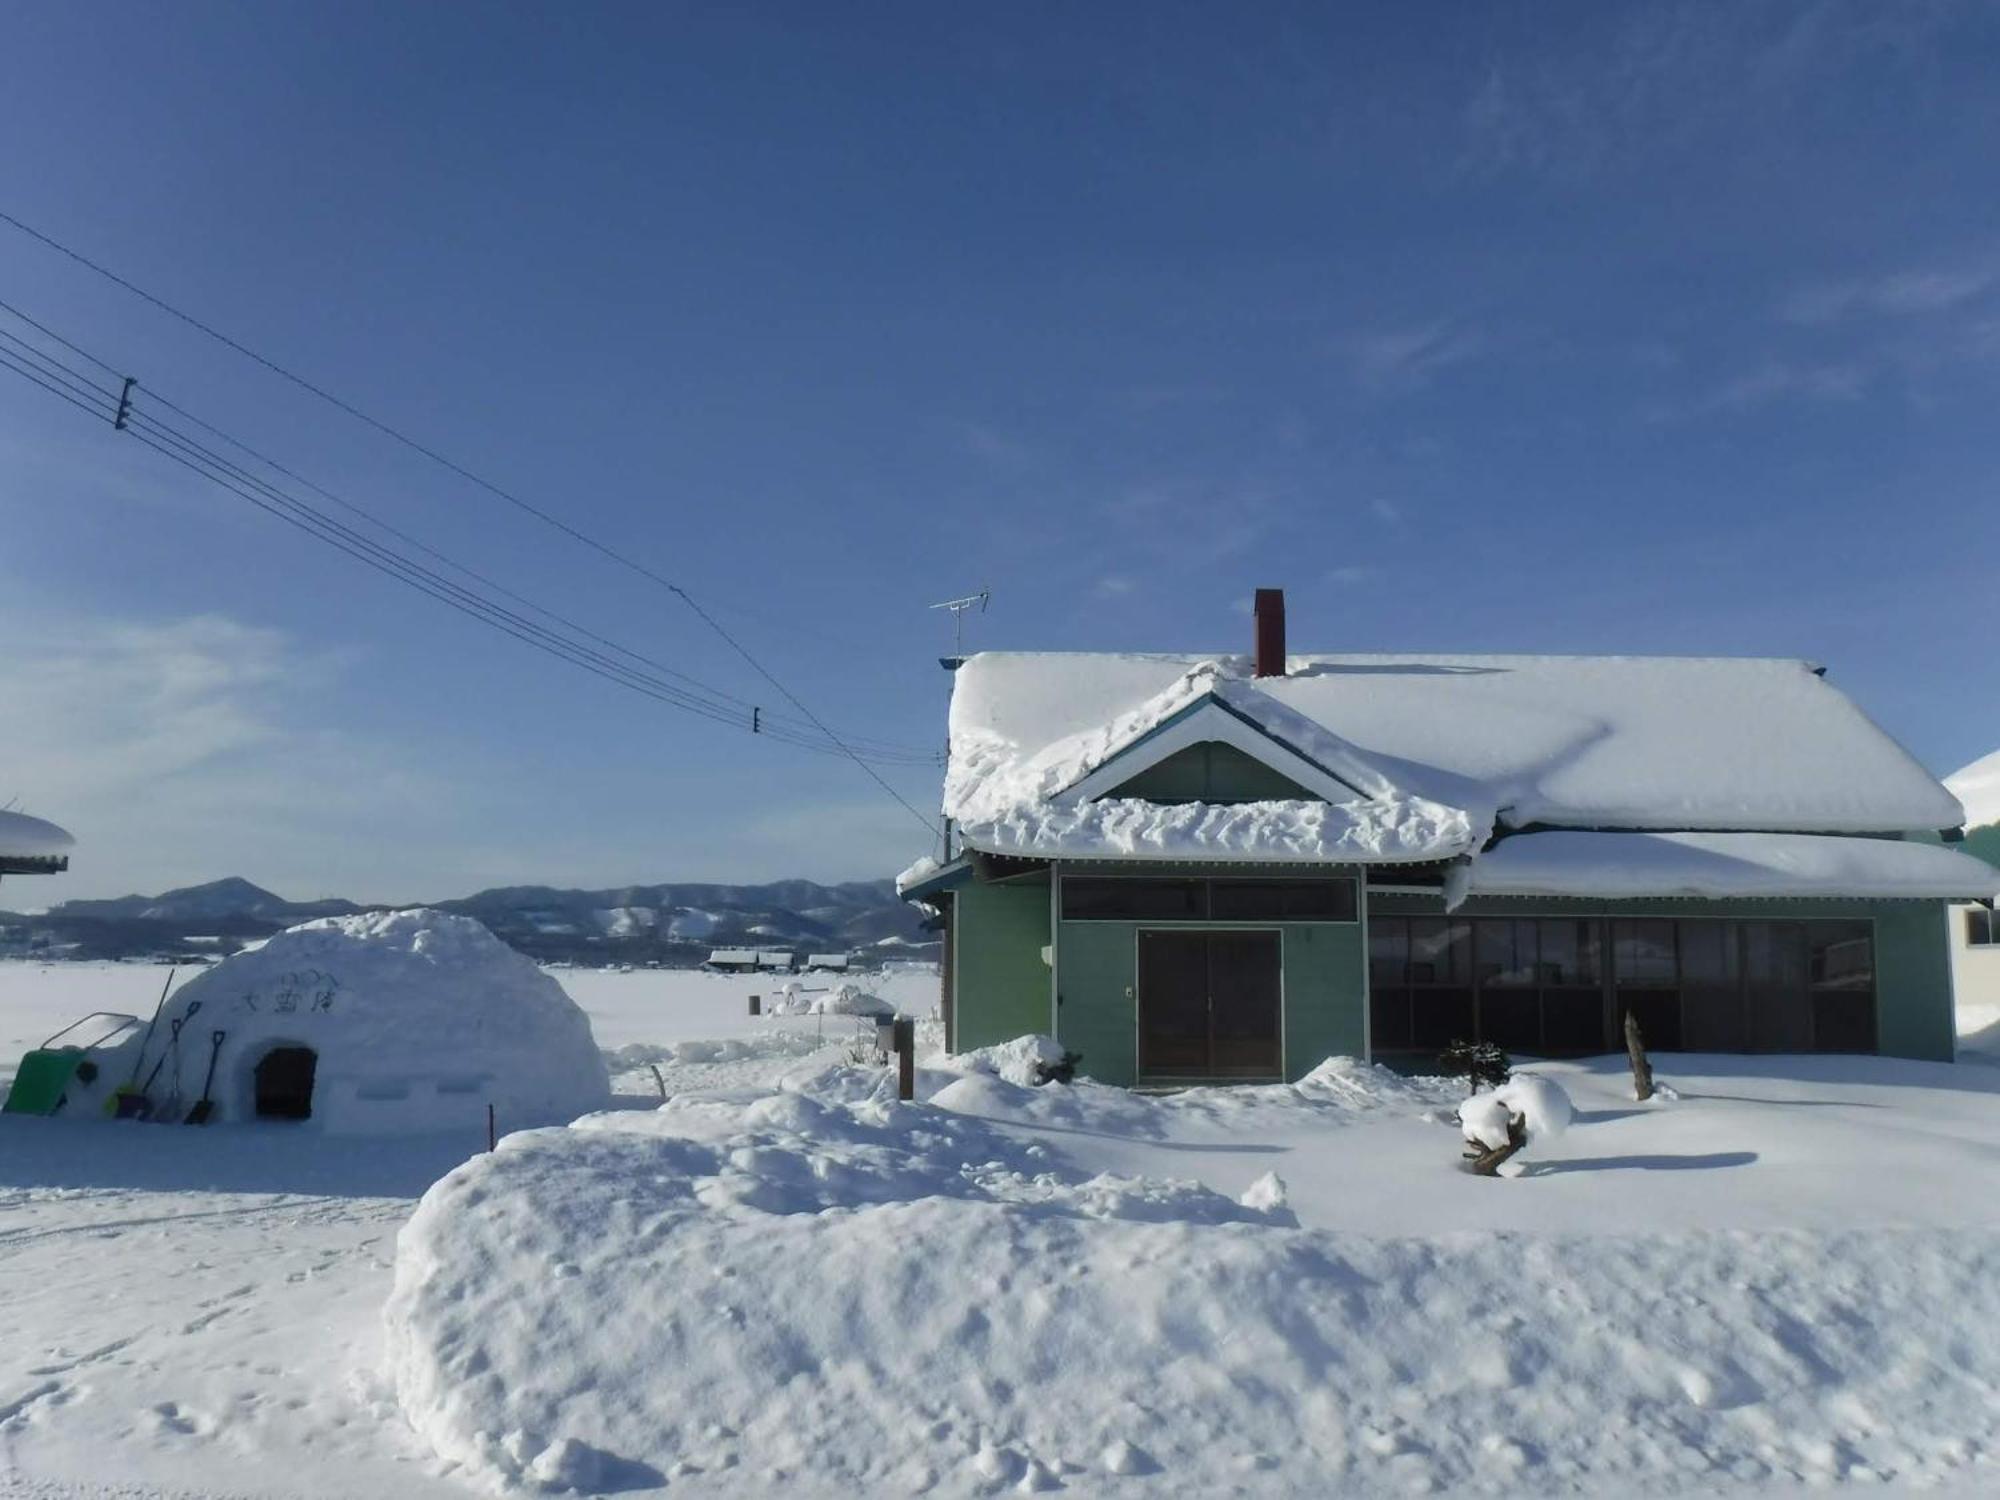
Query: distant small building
827	963
733	961
778	961
32	846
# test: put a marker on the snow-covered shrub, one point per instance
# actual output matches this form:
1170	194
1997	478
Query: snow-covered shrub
1527	1110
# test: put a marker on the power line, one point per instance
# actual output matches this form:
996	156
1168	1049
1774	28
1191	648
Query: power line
779	725
73	386
457	468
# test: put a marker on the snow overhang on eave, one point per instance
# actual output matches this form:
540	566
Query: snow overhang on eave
1719	866
927	878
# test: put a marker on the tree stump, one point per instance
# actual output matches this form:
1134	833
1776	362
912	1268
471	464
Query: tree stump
1642	1070
1484	1161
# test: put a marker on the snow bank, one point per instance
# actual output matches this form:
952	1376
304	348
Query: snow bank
418	1021
795	999
826	1293
1021	1061
24	837
1722	865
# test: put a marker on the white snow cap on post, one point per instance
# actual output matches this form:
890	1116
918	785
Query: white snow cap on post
1542	1104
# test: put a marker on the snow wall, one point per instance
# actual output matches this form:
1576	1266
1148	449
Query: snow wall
417	1021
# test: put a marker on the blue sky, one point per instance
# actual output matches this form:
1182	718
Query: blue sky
1646	328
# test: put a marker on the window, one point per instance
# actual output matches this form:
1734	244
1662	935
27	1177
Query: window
1134	900
1093	899
1982	928
1282	900
1555	985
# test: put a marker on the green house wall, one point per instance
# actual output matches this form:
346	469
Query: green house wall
1212	772
1000	984
1003	988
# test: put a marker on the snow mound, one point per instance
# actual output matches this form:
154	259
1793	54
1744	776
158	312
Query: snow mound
824	1292
416	1021
1021	1061
795	999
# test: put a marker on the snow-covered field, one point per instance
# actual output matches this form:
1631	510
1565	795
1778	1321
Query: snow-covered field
1789	1276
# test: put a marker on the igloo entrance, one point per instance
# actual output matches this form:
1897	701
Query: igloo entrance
285	1083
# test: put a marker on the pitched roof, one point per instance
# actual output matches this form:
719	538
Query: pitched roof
1441	750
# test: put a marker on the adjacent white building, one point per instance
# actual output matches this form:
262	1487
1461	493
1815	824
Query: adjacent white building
1975	930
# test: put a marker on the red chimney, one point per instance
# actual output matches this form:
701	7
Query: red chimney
1270	612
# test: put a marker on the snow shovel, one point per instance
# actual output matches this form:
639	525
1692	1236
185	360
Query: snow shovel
128	1100
204	1107
145	1109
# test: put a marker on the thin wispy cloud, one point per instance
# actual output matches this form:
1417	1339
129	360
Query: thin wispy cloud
1400	360
1903	293
1773	381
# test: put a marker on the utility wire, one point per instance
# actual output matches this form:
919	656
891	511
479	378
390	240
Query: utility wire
873	748
463	472
71	385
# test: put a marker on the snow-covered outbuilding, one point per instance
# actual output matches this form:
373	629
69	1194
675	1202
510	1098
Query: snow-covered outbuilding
1226	867
383	1022
732	961
828	963
1975	928
32	846
777	960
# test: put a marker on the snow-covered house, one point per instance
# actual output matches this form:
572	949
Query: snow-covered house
828	963
1217	867
732	961
1975	929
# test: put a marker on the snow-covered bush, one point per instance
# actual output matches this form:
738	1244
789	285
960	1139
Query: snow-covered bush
1480	1064
1527	1110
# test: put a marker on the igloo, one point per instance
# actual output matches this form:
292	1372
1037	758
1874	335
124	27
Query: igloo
387	1021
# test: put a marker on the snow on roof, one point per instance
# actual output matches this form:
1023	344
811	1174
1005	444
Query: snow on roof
23	837
1438	750
733	956
1977	787
1720	865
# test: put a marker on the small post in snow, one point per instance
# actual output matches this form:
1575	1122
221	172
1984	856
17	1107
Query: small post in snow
756	1005
1635	1049
492	1132
905	1035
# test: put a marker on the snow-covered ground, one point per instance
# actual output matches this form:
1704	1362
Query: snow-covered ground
1788	1276
197	1312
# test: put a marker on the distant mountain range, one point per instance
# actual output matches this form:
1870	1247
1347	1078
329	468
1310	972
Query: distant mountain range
667	924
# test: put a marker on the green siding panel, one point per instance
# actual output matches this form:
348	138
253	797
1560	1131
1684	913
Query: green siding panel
1212	772
1325	981
1002	983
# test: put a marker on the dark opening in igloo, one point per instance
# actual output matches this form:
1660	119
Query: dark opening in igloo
285	1083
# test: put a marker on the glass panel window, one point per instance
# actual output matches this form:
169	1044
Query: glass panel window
1840	955
1504	952
1282	900
1568	953
1440	952
1981	930
1643	951
1096	900
1388	952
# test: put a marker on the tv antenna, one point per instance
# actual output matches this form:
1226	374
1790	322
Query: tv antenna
959	609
